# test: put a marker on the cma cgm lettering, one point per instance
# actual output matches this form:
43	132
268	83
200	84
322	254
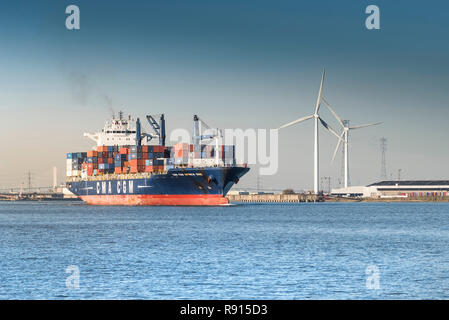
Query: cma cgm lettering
119	173
122	186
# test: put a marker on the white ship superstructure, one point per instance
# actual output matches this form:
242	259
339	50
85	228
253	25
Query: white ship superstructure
118	132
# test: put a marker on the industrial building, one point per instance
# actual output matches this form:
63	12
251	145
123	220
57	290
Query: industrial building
395	189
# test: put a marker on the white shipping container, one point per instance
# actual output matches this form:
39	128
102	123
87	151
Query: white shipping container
205	162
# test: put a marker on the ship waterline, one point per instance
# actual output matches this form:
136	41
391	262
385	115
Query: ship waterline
157	200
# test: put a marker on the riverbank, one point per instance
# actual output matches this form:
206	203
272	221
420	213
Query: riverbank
289	198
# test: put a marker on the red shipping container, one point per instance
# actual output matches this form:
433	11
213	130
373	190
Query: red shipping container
145	149
92	166
124	150
133	162
149	169
144	155
118	170
100	160
110	160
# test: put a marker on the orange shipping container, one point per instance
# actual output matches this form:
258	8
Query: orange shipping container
124	150
91	153
137	162
158	149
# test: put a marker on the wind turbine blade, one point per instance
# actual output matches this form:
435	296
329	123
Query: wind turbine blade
329	128
296	121
334	113
320	93
338	145
365	125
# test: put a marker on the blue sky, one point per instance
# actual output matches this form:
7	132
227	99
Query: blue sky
238	64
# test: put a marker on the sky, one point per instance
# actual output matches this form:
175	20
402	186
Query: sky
237	64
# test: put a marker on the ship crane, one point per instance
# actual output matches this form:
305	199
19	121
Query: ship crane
158	128
198	137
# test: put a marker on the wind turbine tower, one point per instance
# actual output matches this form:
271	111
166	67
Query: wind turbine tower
345	138
345	160
316	118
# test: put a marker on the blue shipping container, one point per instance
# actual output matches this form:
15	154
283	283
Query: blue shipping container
136	149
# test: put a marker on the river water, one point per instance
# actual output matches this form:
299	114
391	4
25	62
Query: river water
68	250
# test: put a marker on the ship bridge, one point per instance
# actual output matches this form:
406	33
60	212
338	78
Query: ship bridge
116	132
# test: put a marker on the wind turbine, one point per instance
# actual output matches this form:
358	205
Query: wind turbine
317	118
345	138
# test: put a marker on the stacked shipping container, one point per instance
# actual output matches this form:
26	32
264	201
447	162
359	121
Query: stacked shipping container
135	159
74	163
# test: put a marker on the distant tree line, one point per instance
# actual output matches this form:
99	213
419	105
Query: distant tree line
288	191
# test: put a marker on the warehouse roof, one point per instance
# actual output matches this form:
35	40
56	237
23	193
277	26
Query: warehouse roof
411	183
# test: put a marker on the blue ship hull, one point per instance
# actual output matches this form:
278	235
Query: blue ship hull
179	186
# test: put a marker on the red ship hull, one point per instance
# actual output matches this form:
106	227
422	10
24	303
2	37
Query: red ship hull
156	200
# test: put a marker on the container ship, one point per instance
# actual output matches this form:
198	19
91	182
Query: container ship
126	169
